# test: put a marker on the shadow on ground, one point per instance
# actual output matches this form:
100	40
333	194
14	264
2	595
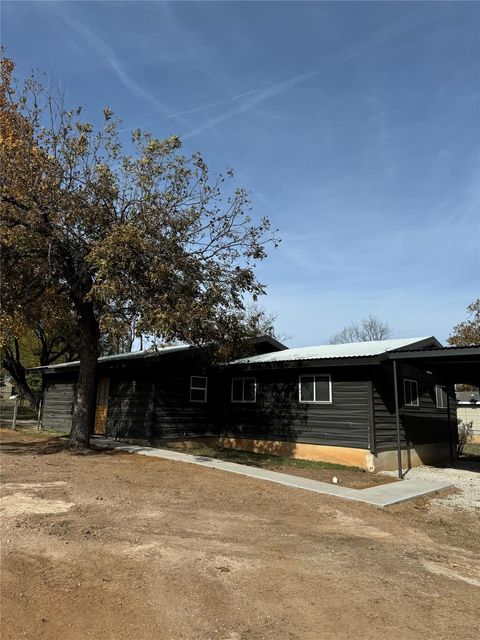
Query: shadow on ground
42	448
468	463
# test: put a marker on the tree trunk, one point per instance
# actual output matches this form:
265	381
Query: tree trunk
85	392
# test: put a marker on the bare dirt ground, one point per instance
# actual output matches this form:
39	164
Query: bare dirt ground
118	546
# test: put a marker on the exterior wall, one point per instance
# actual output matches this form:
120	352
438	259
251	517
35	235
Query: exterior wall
421	425
277	414
469	413
58	403
153	402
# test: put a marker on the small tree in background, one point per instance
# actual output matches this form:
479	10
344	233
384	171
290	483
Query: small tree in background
369	328
112	234
468	332
465	435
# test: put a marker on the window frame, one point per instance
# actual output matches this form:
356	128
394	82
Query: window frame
205	389
315	401
441	387
405	404
243	401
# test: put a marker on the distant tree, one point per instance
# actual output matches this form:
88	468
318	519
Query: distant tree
468	332
114	233
465	435
34	347
369	328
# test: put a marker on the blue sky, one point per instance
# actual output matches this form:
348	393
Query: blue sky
354	125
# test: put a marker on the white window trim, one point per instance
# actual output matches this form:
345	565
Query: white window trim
192	388
243	401
415	382
314	401
440	387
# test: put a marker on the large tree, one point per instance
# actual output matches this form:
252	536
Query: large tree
117	232
369	328
468	332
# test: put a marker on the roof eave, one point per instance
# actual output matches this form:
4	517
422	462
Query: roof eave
343	361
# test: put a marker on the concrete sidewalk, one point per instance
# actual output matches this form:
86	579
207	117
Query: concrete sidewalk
379	496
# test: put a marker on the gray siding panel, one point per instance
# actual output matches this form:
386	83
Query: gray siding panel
57	406
418	425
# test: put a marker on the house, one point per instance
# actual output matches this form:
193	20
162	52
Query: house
376	405
468	410
146	395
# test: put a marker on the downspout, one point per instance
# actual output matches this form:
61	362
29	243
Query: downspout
397	421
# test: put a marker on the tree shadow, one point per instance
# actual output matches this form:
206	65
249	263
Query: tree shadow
44	447
271	425
39	447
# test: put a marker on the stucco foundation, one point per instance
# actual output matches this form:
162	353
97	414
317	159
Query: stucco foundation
320	453
436	454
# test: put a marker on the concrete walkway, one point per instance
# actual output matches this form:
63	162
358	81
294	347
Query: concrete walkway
379	496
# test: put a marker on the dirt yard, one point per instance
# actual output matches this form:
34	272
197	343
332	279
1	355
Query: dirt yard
118	546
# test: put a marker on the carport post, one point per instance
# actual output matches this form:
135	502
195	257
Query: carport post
397	420
450	434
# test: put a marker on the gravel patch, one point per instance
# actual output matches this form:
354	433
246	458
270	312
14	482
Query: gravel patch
466	479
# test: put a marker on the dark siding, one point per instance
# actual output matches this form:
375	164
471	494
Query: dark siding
58	404
418	425
131	406
278	415
153	402
176	416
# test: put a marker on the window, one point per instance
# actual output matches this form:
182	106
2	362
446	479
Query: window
441	396
315	389
410	393
198	389
244	390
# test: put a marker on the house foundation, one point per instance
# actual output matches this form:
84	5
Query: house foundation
436	454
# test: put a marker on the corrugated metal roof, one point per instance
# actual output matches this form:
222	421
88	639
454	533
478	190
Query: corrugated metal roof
120	357
328	351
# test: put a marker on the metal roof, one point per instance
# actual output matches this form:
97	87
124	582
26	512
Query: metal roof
147	353
328	351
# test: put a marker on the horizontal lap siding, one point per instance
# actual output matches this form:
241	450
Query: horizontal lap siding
278	415
57	406
154	402
131	407
176	416
422	425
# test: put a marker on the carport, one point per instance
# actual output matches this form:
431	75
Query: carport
456	365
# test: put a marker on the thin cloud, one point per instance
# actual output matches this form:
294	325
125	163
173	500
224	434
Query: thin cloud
358	49
256	98
107	54
203	107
